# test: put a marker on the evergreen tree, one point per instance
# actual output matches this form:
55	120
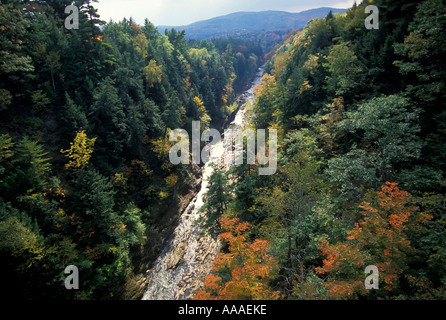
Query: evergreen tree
215	200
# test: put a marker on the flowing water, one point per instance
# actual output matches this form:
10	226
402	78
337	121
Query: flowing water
189	254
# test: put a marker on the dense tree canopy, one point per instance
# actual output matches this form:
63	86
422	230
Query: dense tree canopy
360	180
82	111
85	176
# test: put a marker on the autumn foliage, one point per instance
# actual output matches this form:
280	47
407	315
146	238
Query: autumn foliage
243	272
380	239
80	151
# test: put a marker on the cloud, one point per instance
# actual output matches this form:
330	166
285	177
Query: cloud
182	12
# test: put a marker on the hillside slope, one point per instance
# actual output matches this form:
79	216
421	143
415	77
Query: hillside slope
267	26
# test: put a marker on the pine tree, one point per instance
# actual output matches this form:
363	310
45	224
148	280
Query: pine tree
216	200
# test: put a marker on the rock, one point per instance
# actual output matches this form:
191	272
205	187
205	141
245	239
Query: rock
177	255
188	255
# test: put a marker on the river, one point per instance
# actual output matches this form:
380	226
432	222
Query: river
188	255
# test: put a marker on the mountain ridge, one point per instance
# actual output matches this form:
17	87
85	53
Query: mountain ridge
266	27
250	21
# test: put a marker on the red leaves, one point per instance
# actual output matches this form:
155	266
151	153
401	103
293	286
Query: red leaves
248	266
380	238
135	28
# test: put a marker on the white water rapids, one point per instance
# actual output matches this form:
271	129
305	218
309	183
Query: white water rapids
188	255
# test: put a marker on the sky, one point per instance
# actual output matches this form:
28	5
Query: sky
183	12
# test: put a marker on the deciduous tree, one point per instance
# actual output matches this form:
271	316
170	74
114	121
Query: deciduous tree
244	272
80	151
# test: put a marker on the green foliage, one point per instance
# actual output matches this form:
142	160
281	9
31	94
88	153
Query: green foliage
40	101
419	63
29	168
13	23
215	201
5	99
388	131
73	116
354	108
19	241
121	86
5	147
358	108
288	210
344	68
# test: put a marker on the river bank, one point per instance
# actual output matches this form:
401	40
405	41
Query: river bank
188	255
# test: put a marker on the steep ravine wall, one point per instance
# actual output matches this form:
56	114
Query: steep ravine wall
188	255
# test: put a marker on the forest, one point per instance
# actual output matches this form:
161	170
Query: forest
85	115
85	177
360	182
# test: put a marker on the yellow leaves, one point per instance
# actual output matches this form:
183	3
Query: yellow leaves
163	195
418	46
119	179
199	103
228	89
141	45
80	151
202	114
61	213
171	180
137	168
153	73
161	146
201	55
338	102
96	37
121	227
305	87
224	98
5	146
312	63
266	83
281	62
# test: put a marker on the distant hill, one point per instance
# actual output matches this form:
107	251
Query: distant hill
263	25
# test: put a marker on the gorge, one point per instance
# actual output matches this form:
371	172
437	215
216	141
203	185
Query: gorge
188	254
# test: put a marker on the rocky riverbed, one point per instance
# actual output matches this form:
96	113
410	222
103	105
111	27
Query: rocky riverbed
189	253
